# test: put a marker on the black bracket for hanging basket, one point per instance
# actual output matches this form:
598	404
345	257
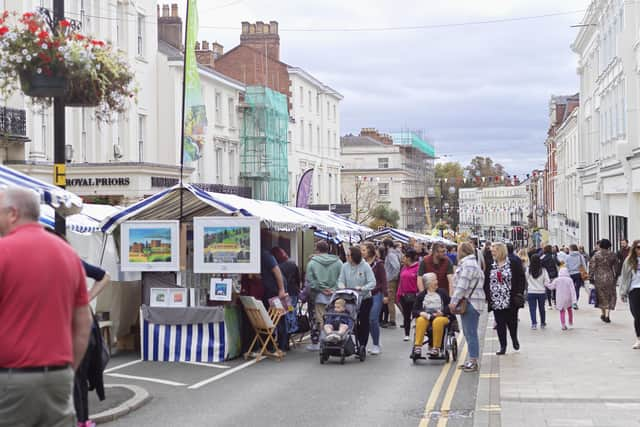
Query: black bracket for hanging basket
40	86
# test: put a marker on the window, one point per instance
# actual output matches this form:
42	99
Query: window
301	96
310	137
232	166
318	138
328	110
383	162
140	35
218	164
383	189
318	104
232	113
309	98
218	106
141	134
302	133
335	113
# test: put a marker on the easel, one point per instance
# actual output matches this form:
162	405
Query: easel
264	324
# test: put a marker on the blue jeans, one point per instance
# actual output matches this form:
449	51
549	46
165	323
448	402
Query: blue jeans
470	320
374	318
577	283
533	300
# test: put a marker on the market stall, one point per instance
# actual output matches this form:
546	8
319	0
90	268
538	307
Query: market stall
405	236
187	312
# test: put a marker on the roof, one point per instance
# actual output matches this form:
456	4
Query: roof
325	89
259	52
174	54
360	141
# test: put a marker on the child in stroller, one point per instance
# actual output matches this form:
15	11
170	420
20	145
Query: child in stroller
431	309
337	337
336	319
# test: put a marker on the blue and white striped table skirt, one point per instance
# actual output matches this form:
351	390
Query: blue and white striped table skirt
201	342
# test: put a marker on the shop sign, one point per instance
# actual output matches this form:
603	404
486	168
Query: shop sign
97	182
163	181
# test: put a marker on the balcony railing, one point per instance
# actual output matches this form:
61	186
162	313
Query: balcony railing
13	122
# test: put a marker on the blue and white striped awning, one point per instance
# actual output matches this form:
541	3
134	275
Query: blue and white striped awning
86	222
196	202
65	202
404	236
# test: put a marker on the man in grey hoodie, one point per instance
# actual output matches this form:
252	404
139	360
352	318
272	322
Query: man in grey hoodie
392	264
573	262
323	271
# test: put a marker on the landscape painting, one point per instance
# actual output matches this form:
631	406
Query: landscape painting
149	246
226	245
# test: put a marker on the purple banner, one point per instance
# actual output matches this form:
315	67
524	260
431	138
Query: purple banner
305	186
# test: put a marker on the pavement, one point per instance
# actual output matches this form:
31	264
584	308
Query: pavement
585	376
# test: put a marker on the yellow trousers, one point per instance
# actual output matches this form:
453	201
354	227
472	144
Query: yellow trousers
422	325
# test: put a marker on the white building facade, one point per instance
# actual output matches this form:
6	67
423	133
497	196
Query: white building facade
314	137
564	222
494	212
608	46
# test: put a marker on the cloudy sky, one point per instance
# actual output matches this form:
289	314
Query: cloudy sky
473	89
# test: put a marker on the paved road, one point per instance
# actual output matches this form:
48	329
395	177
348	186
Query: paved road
385	390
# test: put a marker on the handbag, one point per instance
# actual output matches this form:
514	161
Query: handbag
583	273
302	319
463	304
593	297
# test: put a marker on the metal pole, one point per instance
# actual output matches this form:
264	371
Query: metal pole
184	90
59	157
357	188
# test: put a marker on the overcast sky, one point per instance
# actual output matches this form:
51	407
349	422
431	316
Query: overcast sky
474	89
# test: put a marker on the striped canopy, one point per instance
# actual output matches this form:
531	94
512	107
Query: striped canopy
65	202
404	236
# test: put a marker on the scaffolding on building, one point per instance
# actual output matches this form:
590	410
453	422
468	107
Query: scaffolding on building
418	160
263	144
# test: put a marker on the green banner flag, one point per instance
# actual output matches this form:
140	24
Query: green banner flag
195	114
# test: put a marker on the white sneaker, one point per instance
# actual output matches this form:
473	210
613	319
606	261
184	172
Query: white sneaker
406	338
313	347
636	346
374	350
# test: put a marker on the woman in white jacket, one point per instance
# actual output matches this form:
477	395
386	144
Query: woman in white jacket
629	283
537	280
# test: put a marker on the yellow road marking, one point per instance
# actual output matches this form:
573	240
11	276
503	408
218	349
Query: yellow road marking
435	391
448	397
491	408
489	376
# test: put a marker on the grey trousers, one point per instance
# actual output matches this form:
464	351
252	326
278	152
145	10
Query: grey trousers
29	399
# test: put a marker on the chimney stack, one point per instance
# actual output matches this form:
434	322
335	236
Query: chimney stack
262	37
218	50
170	26
205	56
374	134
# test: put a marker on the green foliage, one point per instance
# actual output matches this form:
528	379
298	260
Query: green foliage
484	166
384	216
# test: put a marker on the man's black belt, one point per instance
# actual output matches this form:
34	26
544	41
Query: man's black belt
35	368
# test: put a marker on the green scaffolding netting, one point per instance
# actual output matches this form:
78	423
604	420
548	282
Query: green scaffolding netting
263	144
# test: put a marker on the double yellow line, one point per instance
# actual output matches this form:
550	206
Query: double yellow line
451	389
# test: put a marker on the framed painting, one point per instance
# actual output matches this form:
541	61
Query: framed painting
177	297
220	289
226	245
149	246
159	297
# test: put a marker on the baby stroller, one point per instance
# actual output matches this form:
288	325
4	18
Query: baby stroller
448	348
348	345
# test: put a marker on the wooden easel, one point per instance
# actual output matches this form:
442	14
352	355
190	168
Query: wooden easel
264	324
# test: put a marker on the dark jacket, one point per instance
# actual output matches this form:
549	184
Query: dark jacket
518	282
417	306
381	278
291	275
96	359
550	263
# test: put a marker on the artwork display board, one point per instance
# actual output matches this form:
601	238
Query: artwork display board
149	246
220	289
226	245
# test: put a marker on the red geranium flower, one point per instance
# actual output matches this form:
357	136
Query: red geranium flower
27	15
64	23
3	30
79	37
33	27
42	35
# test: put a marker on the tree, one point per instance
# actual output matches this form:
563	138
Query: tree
383	216
453	174
362	195
484	166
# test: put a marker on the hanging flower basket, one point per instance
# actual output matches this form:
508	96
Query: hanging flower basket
38	85
46	60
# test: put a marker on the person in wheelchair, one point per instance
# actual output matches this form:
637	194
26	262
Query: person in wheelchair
431	309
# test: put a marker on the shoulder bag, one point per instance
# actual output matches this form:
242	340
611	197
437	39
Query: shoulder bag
461	307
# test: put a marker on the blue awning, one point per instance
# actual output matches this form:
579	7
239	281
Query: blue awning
65	202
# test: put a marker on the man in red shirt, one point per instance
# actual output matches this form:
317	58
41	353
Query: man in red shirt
45	319
440	264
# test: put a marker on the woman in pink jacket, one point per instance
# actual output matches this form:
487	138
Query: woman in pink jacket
408	288
565	295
